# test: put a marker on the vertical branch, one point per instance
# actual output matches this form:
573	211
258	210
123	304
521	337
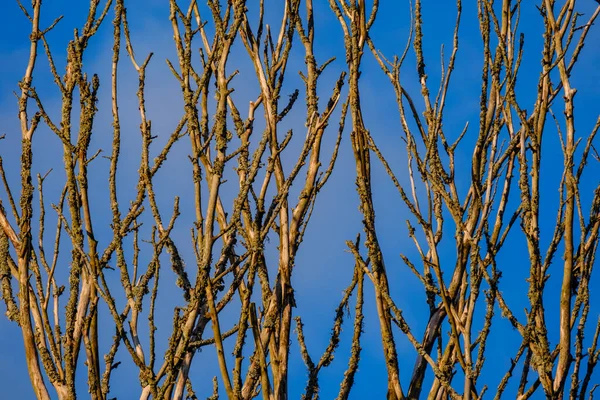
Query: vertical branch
24	250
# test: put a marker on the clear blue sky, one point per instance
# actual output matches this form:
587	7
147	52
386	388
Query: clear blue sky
336	218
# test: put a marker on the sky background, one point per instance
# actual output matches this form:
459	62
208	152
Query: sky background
323	266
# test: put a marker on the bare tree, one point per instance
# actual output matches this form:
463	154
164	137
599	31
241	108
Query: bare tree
60	299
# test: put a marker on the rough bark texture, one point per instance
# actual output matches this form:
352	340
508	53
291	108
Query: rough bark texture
109	279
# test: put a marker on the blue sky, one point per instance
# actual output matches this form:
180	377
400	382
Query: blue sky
336	218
